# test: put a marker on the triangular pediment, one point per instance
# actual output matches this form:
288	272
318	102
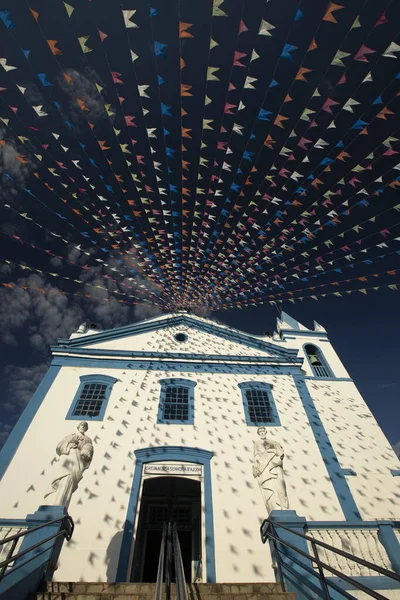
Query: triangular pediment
181	333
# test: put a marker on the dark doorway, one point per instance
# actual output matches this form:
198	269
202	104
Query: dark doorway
166	498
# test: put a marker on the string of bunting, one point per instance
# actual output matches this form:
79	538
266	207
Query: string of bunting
219	153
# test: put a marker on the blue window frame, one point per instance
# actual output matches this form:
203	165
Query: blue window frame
258	403
176	401
91	399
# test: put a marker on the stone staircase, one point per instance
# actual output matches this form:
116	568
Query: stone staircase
146	591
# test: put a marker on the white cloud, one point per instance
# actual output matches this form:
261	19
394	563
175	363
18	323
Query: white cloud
21	384
82	86
145	311
40	309
35	313
12	164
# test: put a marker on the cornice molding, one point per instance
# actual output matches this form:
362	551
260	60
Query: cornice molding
175	321
97	353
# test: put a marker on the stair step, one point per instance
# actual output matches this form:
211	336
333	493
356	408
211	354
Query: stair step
146	591
110	595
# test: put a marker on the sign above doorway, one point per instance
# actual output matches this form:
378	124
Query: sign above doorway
176	469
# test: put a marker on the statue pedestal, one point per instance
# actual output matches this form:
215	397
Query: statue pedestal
25	579
295	567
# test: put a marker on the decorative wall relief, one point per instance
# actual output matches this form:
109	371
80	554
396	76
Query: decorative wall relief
75	453
268	470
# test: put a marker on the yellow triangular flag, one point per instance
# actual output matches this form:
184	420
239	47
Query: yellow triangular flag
70	9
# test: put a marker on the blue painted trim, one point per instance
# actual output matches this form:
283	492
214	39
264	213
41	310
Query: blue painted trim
143	355
92	378
156	365
374	582
176	382
23	423
168	453
300	333
322	359
395	472
335	472
312	377
350	524
176	320
18	523
266	387
389	540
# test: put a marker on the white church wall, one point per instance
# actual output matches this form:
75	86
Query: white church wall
360	445
163	341
99	506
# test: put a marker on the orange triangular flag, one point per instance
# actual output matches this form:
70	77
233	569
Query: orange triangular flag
52	46
185	89
82	104
279	119
35	14
316	182
328	16
183	27
68	79
288	98
312	46
185	132
183	112
385	111
300	75
269	141
182	64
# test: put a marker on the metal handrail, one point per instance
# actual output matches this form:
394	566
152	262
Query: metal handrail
161	561
170	555
67	531
267	534
181	591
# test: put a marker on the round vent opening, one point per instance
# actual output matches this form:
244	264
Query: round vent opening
181	337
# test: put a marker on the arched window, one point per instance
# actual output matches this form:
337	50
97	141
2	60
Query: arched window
91	399
176	401
258	403
319	366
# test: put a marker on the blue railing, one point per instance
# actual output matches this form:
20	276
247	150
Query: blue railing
308	565
30	549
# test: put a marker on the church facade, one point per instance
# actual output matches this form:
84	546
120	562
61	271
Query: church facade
182	418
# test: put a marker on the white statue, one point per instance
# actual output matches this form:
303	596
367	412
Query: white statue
268	469
76	453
